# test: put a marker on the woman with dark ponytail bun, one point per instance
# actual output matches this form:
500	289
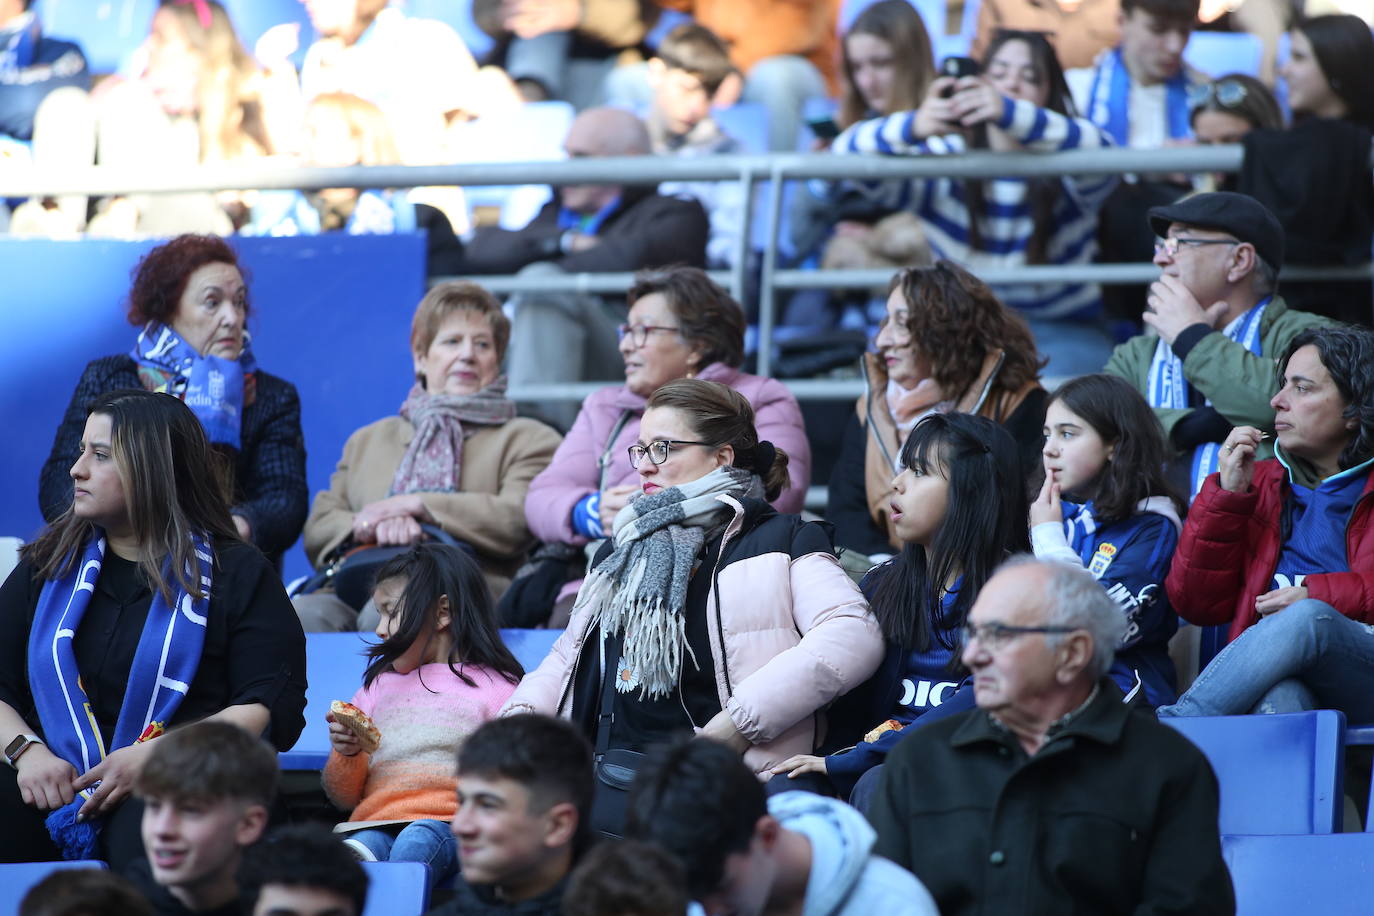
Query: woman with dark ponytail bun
720	616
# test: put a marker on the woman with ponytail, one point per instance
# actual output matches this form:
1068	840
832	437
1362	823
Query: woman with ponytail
713	613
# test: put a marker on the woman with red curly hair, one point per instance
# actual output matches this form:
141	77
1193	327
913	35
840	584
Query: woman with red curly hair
947	344
190	303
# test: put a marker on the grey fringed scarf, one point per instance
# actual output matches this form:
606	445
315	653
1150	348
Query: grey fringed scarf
640	589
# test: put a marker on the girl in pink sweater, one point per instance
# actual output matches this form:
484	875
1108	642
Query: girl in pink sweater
440	671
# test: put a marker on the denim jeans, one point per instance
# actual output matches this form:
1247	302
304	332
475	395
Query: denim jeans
429	842
1307	656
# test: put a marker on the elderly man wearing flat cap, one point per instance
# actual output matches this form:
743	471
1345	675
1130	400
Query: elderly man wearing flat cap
1216	325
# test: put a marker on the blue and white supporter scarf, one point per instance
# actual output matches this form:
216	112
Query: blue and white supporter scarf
1109	100
163	668
214	388
1167	387
18	43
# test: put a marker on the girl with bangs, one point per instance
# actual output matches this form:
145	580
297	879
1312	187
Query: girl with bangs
957	506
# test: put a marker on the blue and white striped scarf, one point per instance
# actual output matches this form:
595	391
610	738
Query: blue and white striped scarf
1109	100
163	667
1167	387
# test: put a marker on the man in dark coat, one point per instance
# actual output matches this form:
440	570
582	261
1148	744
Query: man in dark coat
1053	796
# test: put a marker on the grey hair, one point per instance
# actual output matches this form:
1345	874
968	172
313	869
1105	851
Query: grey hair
1264	278
1073	598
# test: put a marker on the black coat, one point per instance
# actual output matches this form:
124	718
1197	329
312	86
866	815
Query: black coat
646	230
481	900
1115	814
269	467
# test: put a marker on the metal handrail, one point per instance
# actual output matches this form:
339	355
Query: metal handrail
20	181
748	170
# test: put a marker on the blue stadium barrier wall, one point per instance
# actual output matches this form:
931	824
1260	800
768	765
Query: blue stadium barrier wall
330	314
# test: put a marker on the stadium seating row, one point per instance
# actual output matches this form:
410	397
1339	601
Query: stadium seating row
1273	876
393	888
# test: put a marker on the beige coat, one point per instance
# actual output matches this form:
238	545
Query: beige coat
884	441
487	510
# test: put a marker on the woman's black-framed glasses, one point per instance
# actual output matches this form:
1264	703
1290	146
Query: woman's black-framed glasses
997	636
657	451
1226	93
639	333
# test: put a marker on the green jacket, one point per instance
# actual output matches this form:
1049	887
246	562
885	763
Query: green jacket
1237	382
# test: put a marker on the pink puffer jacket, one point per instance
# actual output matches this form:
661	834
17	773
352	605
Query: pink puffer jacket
794	633
574	471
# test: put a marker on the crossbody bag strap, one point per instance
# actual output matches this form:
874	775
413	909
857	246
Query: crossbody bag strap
605	715
604	462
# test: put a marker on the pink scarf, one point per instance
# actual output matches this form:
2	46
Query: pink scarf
434	461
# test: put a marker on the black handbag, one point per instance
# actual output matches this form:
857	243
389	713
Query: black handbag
614	768
352	569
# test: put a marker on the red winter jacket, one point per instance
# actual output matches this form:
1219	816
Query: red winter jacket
1230	548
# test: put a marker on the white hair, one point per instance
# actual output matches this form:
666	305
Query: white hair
1073	598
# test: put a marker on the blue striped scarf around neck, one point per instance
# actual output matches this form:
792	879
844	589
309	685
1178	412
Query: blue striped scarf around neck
1166	386
1109	100
164	665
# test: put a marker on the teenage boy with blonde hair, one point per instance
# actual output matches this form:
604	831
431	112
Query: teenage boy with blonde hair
206	790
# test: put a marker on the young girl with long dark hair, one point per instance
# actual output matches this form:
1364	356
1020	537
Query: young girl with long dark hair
440	671
956	507
1118	517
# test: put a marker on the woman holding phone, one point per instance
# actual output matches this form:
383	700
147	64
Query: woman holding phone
886	67
1019	102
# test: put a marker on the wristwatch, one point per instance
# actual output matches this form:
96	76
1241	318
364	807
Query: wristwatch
18	746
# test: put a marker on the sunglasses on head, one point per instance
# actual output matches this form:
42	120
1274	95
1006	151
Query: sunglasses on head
1226	93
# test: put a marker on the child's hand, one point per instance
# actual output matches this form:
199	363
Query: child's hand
342	738
798	764
1046	507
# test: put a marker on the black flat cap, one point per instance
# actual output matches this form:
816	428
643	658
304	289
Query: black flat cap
1225	211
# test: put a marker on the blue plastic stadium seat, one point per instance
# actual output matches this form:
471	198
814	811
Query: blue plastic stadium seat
747	122
396	889
1284	875
457	13
1278	774
1220	53
334	665
17	878
108	32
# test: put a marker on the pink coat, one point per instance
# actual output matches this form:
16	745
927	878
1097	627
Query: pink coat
574	472
794	634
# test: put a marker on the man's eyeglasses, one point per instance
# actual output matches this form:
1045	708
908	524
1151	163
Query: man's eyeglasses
657	451
639	333
997	636
1172	245
1226	93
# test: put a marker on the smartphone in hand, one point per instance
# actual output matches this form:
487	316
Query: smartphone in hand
957	68
824	128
